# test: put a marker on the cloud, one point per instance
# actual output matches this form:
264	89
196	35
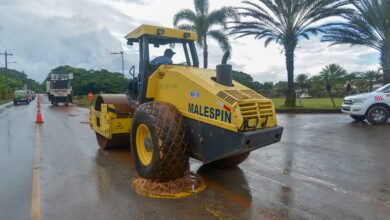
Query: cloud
77	32
139	2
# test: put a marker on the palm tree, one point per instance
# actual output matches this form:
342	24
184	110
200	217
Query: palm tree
302	80
286	22
367	25
349	78
206	24
372	77
330	75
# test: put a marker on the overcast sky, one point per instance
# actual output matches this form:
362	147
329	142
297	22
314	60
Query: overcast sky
44	34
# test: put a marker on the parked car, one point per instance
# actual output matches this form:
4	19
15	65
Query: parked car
21	96
373	106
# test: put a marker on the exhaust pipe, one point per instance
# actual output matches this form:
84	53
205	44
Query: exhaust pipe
225	71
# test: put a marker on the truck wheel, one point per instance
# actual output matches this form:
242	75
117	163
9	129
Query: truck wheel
358	117
230	162
159	142
15	102
378	115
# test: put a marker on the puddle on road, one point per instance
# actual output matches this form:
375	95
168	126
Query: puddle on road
175	189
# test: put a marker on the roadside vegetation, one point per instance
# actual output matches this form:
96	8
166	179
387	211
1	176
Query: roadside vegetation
286	23
11	80
94	81
82	100
316	90
311	104
313	90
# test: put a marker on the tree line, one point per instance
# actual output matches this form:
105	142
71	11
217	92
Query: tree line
288	22
332	81
95	81
11	80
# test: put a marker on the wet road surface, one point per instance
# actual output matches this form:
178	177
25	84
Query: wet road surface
325	167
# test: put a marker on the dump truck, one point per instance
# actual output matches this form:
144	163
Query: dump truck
59	89
175	111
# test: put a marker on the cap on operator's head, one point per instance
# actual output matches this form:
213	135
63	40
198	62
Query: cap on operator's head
169	52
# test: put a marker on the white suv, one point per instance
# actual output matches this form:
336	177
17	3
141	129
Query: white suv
373	106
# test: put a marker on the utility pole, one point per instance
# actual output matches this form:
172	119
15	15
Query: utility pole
6	66
123	62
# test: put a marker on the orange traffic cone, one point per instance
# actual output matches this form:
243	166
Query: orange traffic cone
39	117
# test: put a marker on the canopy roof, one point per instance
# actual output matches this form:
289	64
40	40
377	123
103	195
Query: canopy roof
160	32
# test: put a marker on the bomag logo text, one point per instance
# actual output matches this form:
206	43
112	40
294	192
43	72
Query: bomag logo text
210	112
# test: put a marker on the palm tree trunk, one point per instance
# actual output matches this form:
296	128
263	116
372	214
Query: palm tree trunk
291	96
205	52
385	62
331	97
371	85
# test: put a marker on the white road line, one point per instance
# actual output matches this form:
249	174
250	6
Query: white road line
36	198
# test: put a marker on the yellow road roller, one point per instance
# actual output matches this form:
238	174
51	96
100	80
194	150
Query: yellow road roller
173	111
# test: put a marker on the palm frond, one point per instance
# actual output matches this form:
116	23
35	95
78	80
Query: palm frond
221	38
184	15
202	7
221	16
187	27
367	25
286	20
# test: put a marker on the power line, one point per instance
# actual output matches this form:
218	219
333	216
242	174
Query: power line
6	66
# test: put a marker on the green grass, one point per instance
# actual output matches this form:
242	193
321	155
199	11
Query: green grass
83	101
4	101
316	103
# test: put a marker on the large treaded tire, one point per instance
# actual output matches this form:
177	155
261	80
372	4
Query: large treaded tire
230	162
169	141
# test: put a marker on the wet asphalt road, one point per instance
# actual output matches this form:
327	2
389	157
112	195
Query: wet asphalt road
325	167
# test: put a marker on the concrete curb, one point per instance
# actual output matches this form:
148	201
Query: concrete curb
4	105
309	111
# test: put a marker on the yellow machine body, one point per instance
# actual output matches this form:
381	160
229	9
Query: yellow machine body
161	31
110	116
223	121
198	96
108	123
